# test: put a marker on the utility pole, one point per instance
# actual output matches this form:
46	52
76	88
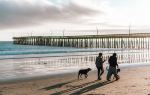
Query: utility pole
63	32
129	29
97	30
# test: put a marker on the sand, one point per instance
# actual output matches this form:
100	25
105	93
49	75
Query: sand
134	81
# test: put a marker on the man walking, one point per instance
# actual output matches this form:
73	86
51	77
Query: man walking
99	64
112	67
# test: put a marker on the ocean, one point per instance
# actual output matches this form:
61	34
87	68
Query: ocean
10	51
21	62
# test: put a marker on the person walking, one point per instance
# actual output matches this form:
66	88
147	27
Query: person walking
112	67
99	65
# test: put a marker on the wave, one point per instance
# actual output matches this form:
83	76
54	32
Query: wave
24	52
8	51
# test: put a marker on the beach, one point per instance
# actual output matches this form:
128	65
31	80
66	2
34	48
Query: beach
135	80
24	70
46	44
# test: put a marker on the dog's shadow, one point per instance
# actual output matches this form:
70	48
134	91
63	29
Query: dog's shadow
58	85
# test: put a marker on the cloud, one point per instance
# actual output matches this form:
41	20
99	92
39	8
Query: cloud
18	13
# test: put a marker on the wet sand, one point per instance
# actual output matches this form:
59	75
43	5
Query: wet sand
134	81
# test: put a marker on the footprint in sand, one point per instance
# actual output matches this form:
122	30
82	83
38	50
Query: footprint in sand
147	78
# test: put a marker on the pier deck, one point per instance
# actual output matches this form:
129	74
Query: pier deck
135	40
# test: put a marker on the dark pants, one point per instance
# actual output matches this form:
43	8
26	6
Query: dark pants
112	70
100	72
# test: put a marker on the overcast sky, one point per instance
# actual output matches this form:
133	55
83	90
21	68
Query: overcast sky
51	17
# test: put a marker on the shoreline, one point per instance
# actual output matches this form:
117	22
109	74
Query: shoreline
28	79
67	73
130	83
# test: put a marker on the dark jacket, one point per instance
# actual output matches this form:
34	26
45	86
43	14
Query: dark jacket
99	62
113	61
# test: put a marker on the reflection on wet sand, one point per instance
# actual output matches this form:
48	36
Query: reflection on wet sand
70	63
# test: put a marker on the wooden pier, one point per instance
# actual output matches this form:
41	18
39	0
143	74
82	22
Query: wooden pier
135	41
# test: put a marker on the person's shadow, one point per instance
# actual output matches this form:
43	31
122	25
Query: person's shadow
91	87
83	88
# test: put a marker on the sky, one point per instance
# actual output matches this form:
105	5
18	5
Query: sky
51	17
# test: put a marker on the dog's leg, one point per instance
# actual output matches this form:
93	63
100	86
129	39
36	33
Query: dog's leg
114	75
78	75
86	75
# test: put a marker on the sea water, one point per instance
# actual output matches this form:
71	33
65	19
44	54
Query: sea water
27	61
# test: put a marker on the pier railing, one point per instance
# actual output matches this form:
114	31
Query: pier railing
135	40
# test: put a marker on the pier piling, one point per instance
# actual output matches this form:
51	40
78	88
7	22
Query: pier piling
135	41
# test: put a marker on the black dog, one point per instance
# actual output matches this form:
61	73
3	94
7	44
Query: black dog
84	71
118	70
